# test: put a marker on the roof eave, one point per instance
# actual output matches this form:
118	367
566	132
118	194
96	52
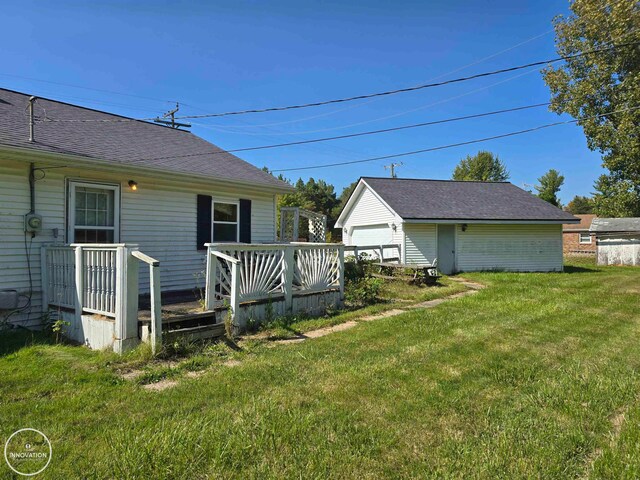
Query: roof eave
153	171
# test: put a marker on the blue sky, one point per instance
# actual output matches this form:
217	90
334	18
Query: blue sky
221	56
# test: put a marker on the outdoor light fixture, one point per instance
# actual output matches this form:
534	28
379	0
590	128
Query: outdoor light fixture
133	184
394	227
464	227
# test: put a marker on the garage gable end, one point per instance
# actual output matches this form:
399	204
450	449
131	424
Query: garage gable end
365	207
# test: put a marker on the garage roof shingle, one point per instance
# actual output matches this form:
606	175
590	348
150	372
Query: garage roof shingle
418	199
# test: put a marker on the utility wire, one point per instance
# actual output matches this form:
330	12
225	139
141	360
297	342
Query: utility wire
351	135
111	92
392	129
414	88
450	72
452	145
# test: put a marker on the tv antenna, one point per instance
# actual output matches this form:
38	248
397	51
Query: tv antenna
172	123
392	167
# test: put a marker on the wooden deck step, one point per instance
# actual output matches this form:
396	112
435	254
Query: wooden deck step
195	333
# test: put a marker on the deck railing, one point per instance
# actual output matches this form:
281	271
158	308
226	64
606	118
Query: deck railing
58	276
248	272
100	279
96	275
381	252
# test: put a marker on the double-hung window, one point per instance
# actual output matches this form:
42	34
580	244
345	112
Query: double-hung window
225	222
585	238
94	213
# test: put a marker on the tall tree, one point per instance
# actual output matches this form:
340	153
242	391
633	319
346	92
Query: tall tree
344	197
483	166
601	84
580	205
549	187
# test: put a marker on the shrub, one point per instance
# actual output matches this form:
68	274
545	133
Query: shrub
357	270
364	291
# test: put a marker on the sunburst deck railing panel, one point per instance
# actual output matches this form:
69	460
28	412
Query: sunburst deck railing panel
316	268
252	272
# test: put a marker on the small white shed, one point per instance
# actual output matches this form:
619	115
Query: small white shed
617	240
467	226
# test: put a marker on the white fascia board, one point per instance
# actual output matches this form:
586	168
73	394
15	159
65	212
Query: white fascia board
494	222
60	159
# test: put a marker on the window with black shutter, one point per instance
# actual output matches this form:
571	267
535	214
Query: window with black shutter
245	220
203	234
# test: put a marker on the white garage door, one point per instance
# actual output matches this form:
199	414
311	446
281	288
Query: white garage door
371	235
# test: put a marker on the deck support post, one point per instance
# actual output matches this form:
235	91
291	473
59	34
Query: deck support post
236	320
126	327
156	308
341	272
79	284
288	270
210	281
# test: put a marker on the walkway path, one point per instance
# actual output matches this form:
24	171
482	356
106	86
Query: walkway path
473	288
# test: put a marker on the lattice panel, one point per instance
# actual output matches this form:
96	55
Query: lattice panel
291	229
288	224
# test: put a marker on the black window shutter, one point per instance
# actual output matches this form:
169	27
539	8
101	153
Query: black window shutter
203	219
245	221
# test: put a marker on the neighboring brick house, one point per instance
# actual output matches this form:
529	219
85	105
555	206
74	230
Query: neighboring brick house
576	238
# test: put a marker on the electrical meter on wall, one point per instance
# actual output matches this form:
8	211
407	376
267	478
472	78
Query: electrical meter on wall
32	222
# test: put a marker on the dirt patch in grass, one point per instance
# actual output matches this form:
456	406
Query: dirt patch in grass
161	385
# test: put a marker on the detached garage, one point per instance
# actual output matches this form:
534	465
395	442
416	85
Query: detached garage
466	226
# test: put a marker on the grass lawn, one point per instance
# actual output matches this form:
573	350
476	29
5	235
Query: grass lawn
535	376
393	295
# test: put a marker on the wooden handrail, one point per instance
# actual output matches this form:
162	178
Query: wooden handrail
224	256
155	292
145	258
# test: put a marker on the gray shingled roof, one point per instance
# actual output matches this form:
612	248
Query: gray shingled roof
618	225
117	139
416	199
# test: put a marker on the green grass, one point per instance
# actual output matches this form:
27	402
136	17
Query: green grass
394	294
527	378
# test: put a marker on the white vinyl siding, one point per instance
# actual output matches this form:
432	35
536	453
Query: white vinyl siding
421	243
160	217
518	248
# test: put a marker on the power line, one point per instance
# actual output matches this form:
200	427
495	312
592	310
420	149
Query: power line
392	129
450	72
85	88
414	88
452	145
352	135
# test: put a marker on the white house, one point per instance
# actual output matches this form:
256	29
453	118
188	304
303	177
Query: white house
466	226
117	186
617	240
